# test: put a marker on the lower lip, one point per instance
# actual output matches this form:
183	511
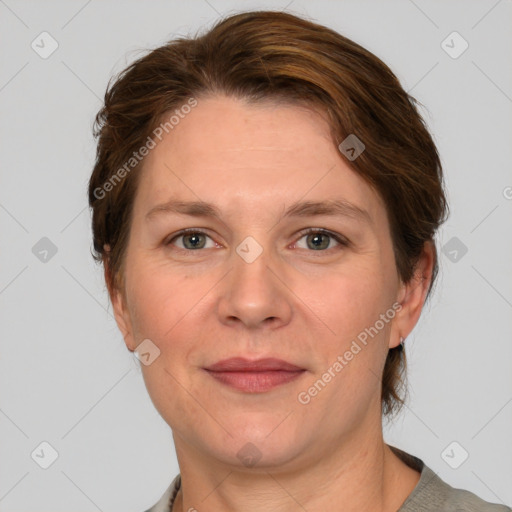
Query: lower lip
255	382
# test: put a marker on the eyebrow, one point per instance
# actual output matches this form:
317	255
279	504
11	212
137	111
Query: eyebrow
335	207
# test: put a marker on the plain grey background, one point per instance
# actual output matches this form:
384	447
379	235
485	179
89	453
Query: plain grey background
66	377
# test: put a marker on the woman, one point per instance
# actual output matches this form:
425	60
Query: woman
265	199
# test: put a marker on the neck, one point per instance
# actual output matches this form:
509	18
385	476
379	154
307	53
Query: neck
359	475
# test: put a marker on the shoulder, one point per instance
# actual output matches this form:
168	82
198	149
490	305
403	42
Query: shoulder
164	504
432	494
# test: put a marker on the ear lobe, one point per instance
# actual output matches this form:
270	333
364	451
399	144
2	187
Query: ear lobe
412	296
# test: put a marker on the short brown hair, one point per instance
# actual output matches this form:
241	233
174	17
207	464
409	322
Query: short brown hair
264	55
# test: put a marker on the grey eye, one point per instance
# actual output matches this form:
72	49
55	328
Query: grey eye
318	241
194	241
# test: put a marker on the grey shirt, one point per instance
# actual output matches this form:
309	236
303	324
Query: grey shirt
431	494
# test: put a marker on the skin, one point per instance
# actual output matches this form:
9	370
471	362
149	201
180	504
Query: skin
294	302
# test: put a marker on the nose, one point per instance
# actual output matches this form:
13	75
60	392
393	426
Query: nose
253	296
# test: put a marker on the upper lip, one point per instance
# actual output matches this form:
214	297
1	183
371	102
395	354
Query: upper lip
241	364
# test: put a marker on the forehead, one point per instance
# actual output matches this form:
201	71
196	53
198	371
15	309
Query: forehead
241	129
229	150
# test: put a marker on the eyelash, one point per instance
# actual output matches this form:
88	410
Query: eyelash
342	241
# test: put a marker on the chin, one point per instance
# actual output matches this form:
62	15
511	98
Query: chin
256	445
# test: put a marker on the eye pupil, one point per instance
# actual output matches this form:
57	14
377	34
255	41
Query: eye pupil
196	239
318	241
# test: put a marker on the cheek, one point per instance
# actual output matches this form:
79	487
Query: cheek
356	307
160	299
350	300
166	307
347	379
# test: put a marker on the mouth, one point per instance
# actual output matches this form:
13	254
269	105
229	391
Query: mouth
254	376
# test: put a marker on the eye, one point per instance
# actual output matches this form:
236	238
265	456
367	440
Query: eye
191	239
316	239
320	240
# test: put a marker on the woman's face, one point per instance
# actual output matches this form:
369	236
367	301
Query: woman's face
251	283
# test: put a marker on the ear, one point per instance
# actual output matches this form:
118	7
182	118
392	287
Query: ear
412	295
118	300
